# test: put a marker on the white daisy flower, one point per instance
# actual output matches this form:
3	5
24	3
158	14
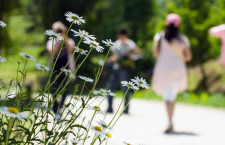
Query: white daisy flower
103	93
2	59
78	97
68	72
42	67
107	92
106	134
96	129
103	124
13	94
83	34
86	79
81	51
95	108
140	82
13	112
3	24
126	143
130	85
98	93
52	35
71	17
27	56
94	44
75	142
108	42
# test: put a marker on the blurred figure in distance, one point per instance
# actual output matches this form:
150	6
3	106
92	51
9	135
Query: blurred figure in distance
219	31
64	57
171	50
122	63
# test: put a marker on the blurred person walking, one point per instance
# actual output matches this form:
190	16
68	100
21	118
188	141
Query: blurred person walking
171	50
123	61
219	31
64	56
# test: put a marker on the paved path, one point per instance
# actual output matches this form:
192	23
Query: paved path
194	125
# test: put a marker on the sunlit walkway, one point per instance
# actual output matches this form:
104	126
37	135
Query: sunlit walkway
193	125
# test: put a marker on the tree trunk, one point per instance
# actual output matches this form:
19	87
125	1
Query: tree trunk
203	84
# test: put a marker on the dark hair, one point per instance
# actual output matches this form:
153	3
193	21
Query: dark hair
172	32
122	32
59	30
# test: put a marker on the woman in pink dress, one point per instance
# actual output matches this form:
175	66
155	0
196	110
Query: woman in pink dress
170	74
219	31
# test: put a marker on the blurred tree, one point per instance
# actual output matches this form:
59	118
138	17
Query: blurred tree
142	19
104	17
6	7
197	18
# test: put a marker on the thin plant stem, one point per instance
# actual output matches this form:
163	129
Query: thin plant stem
123	110
119	107
89	127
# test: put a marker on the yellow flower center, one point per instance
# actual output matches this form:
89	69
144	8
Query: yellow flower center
53	36
76	97
108	135
98	128
13	110
74	18
97	108
130	86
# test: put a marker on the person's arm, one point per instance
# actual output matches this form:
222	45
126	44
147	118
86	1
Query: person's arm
112	58
186	51
137	50
155	49
156	42
69	45
217	31
187	54
56	46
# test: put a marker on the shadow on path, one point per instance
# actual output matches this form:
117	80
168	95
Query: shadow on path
185	133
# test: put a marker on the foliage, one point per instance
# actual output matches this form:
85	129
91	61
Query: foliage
142	19
202	98
197	18
6	8
29	120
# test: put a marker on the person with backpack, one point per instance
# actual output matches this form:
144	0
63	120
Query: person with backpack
171	50
64	56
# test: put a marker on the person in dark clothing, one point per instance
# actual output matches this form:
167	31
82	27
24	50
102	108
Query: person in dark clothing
123	62
63	58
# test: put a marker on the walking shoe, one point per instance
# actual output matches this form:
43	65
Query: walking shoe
109	110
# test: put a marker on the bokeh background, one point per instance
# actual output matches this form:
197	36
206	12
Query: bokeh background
28	19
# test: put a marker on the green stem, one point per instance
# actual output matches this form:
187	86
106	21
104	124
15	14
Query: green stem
9	130
62	45
123	110
89	127
119	107
66	64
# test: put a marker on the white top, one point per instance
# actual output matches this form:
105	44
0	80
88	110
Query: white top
126	48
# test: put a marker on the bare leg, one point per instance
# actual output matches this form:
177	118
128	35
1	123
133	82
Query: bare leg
170	111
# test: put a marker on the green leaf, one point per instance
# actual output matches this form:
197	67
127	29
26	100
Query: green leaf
78	126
